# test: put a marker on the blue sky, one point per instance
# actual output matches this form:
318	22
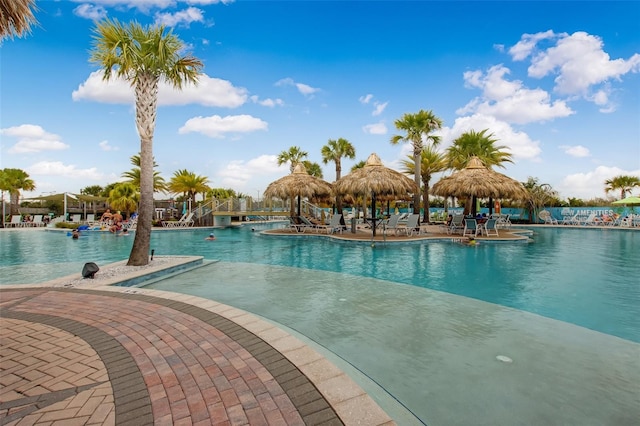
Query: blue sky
558	83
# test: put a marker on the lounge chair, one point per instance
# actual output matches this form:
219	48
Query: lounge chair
16	222
456	225
392	224
570	220
504	221
76	218
546	217
490	227
185	221
37	221
411	226
299	224
470	228
335	224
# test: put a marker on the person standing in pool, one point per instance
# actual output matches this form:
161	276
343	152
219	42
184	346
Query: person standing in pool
211	237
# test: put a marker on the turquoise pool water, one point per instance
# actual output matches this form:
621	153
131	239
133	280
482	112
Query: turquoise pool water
587	277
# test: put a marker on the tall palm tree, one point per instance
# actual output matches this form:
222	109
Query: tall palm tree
16	18
124	197
478	144
622	183
417	127
133	175
188	183
293	156
432	162
334	151
142	56
313	169
13	181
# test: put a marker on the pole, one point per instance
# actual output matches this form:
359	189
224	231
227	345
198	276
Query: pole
3	210
65	206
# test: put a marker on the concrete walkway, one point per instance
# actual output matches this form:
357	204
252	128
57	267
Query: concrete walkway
93	354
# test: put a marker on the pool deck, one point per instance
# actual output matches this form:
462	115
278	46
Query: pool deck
81	351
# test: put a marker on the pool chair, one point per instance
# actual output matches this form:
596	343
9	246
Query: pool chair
76	218
456	226
470	228
490	227
546	217
16	222
392	224
37	221
334	224
411	227
570	220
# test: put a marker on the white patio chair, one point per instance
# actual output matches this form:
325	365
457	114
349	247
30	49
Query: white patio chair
546	217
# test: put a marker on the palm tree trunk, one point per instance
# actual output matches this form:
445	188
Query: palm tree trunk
146	107
417	156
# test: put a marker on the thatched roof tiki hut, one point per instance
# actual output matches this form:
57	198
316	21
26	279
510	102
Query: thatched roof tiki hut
477	181
298	184
375	180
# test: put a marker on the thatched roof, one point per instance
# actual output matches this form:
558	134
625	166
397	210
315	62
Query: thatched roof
477	180
298	184
374	178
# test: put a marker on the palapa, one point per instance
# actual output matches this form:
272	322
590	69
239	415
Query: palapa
298	184
375	180
476	180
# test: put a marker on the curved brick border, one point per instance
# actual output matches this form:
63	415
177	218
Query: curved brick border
131	395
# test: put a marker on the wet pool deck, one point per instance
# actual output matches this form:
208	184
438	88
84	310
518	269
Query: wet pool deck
80	351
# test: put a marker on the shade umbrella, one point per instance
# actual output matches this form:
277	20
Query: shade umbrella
629	201
476	180
298	184
376	180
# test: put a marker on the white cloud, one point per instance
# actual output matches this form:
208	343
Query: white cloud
583	185
89	11
209	91
57	168
183	17
578	61
239	172
578	151
216	126
104	145
521	146
267	102
304	89
365	99
527	44
379	108
510	101
375	129
33	138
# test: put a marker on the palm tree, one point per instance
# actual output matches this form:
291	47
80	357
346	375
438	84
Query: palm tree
124	197
313	169
622	183
293	156
418	127
143	56
477	144
134	175
334	150
13	181
432	162
539	195
16	18
189	184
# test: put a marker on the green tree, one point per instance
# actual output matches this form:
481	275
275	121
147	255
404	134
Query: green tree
432	162
417	128
133	175
124	197
540	194
189	184
143	56
13	181
478	144
314	169
95	190
16	18
293	156
221	193
334	151
622	183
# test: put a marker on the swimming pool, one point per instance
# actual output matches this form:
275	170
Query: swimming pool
457	334
587	277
